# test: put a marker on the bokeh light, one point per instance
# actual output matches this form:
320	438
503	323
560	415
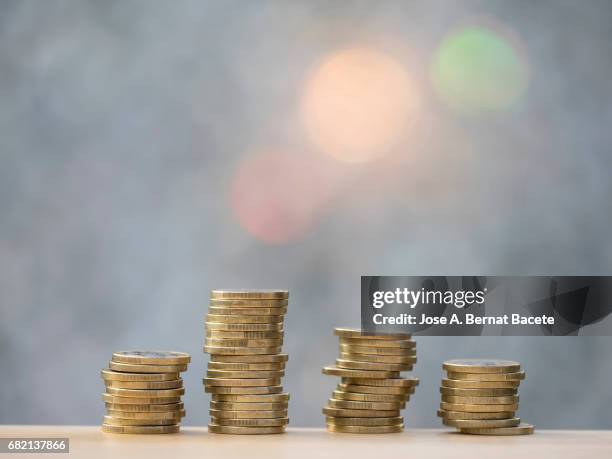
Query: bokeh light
477	69
357	104
278	197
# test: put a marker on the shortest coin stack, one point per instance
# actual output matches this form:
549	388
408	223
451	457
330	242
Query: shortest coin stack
479	397
143	392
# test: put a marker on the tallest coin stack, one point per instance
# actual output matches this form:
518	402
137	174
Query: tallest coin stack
244	337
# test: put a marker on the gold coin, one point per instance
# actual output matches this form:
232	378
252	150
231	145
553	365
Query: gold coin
151	357
463	384
110	375
364	421
352	405
390	390
237	366
176	415
473	408
234	319
365	429
350	364
348	413
247	311
251	390
492	392
242	382
251	422
249	406
273	358
110	398
268	398
140	429
244	374
243	342
251	414
278	326
487	376
234	430
150	385
220	334
138	422
521	429
138	368
144	408
481	423
402	344
242	350
354	333
378	358
341	395
481	366
390	382
250	294
470	416
500	400
346	373
145	393
372	350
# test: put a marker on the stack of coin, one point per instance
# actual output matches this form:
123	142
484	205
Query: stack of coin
479	396
371	393
244	337
143	392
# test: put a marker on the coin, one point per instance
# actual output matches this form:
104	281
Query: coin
488	376
251	390
249	406
372	350
250	414
470	415
242	382
392	382
151	357
140	429
215	428
220	334
492	392
176	415
277	326
481	366
348	413
243	342
343	372
364	421
153	385
389	390
249	294
501	400
226	350
472	407
403	344
111	398
244	374
365	429
521	429
353	405
234	319
144	408
270	398
138	368
145	393
272	358
237	366
350	364
251	422
481	423
353	333
138	422
341	395
378	358
463	384
247	311
110	375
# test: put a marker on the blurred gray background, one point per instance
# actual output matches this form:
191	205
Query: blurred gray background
123	123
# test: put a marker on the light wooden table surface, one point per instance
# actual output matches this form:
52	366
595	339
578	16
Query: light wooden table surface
195	442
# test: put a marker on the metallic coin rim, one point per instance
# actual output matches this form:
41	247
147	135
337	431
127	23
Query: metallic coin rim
174	358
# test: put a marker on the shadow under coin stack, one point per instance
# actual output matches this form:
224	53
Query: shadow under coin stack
479	397
143	392
372	393
244	337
